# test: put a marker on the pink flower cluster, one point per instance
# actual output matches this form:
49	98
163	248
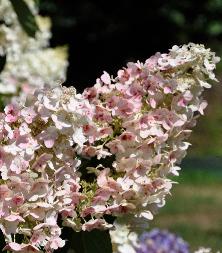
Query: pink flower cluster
38	164
79	158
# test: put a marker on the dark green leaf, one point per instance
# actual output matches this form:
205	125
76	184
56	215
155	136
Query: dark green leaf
95	241
2	106
25	17
2	62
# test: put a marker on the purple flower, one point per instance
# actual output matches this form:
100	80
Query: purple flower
161	241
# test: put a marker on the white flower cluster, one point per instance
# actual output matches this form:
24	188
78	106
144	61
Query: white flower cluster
123	240
205	250
30	63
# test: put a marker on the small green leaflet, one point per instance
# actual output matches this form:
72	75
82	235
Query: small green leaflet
25	17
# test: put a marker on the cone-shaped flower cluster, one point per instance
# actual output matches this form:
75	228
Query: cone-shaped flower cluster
80	158
141	121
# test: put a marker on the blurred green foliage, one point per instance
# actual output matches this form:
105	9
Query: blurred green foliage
194	209
206	138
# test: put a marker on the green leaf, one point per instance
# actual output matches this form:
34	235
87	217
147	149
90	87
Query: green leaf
95	241
2	106
25	17
2	62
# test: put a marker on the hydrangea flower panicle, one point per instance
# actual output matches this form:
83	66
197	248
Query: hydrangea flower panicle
77	158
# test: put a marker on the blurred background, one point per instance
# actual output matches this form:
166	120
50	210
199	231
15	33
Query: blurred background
105	35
